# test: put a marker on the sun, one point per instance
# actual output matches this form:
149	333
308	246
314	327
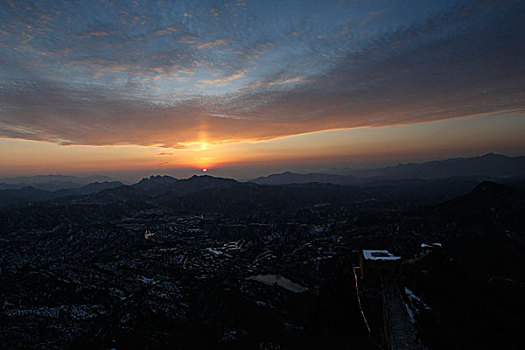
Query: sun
204	170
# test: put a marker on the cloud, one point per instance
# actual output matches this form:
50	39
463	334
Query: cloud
224	80
278	81
211	44
160	32
178	89
98	33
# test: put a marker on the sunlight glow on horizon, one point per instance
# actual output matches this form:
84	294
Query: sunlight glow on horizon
459	136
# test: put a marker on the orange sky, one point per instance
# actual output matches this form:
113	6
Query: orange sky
475	135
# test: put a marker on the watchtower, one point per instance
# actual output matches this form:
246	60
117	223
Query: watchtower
376	265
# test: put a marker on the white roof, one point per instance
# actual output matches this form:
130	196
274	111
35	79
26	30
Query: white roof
379	255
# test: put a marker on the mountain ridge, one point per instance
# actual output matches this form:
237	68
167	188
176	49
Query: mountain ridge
487	165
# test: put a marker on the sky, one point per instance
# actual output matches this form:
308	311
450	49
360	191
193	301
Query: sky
252	87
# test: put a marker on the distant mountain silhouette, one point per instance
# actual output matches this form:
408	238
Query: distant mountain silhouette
294	178
169	186
405	184
89	188
475	168
198	183
210	194
155	185
490	164
51	182
207	192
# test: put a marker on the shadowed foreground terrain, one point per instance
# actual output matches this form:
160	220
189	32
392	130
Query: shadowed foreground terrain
214	263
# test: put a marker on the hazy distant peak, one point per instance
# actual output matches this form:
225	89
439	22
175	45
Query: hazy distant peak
55	178
490	164
208	179
158	178
155	183
288	177
494	155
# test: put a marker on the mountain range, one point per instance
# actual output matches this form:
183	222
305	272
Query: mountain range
425	183
487	166
51	182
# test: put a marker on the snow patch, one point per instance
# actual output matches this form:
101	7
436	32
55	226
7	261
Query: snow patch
410	313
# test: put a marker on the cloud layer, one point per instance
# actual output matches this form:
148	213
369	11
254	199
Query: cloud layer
173	73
